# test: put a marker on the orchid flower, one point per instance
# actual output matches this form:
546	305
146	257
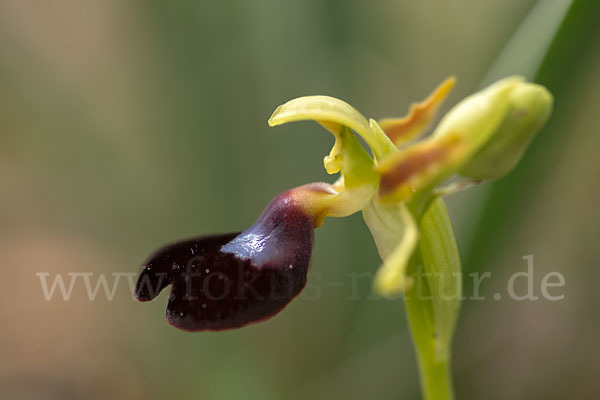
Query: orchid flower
227	281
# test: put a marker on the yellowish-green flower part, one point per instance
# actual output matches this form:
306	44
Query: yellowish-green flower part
419	167
530	106
497	124
396	242
482	137
358	181
333	114
477	116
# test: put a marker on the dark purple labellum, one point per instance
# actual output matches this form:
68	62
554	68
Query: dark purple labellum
227	281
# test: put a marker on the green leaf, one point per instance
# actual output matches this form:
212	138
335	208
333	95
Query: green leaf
530	42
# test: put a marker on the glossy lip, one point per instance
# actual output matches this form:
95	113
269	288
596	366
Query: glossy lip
229	281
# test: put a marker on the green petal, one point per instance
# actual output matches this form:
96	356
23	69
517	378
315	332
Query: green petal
395	233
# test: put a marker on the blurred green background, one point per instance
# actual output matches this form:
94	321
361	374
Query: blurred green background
126	125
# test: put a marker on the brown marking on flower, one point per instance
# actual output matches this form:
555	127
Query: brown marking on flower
407	128
417	167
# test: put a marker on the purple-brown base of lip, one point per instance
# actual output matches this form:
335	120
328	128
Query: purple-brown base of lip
227	281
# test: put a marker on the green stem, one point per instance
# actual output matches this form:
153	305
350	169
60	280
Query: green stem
434	373
436	379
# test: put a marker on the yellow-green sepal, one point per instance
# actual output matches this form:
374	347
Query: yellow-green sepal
333	114
395	233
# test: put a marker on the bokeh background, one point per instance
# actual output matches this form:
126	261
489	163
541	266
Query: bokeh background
126	125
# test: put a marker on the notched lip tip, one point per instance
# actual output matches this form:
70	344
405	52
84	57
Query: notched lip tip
142	299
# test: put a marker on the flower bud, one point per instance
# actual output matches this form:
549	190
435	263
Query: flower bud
529	109
476	117
497	124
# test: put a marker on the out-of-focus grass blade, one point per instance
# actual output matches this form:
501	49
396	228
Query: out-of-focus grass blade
527	47
573	35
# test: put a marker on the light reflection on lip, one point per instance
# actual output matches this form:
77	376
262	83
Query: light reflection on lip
246	246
